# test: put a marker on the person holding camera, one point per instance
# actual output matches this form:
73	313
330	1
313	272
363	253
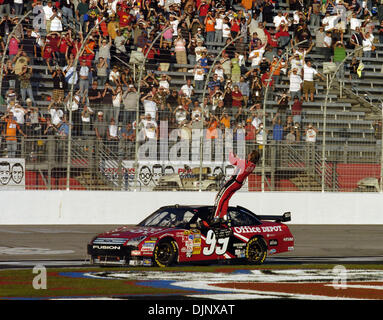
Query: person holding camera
311	133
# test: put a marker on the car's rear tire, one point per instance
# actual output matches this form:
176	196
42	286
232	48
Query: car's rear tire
256	251
165	253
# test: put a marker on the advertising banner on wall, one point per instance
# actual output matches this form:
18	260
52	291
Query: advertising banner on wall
168	176
12	174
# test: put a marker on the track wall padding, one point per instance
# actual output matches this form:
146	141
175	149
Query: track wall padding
105	207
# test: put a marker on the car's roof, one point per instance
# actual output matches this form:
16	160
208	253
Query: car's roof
185	206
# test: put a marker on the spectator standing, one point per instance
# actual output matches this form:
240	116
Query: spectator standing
112	136
296	110
10	132
48	12
295	83
148	127
130	100
102	74
235	69
339	55
100	127
180	50
199	76
128	135
84	78
116	101
308	80
356	42
86	116
94	97
277	128
311	133
353	67
368	45
245	90
218	27
25	83
81	11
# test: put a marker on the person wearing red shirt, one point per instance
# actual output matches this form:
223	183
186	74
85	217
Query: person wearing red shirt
125	17
265	80
296	110
237	97
53	39
244	167
235	27
152	51
47	52
64	44
203	9
249	131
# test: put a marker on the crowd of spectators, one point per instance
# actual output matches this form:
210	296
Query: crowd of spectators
116	34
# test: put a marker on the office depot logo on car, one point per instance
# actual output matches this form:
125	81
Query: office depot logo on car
248	229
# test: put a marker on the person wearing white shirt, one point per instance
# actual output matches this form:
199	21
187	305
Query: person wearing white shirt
48	12
56	114
218	28
256	55
355	22
368	41
226	31
278	19
187	89
308	80
84	78
329	22
19	113
149	128
311	133
150	106
70	74
18	7
295	83
56	25
199	76
327	40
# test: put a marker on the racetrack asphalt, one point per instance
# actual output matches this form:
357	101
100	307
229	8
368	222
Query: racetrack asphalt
68	242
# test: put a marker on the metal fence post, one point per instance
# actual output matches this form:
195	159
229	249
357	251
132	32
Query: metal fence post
138	104
75	62
203	106
332	77
264	138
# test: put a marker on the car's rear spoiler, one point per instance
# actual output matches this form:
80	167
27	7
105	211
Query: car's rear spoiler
283	218
286	217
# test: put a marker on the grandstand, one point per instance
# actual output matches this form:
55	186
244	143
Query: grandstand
347	146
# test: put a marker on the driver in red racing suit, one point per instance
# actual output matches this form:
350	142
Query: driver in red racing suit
244	168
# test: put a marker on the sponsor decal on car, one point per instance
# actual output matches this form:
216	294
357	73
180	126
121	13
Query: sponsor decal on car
148	247
273	242
105	247
147	262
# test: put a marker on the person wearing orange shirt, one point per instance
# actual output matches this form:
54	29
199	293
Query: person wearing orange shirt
210	28
276	65
10	133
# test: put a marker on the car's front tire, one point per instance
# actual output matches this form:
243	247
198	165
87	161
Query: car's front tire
256	251
165	253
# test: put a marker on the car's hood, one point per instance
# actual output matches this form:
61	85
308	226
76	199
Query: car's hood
131	232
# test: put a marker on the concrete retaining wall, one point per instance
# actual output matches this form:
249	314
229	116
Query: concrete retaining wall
99	207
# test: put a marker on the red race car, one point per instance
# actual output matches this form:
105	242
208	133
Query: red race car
178	234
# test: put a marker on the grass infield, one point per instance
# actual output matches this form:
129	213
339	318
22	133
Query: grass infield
18	283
